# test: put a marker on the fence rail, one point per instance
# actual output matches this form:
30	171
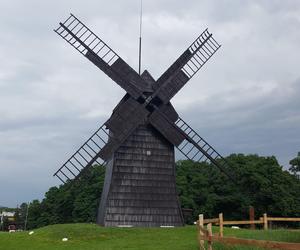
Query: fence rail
243	222
283	219
207	235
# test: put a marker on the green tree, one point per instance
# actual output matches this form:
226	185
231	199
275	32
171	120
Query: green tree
87	200
5	224
34	214
17	218
295	165
23	211
260	182
71	202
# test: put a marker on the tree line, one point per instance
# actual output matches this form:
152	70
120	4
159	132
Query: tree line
259	182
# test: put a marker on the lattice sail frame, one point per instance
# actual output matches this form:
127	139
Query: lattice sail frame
202	49
88	40
197	149
84	157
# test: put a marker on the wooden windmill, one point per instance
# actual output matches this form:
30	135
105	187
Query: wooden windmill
136	144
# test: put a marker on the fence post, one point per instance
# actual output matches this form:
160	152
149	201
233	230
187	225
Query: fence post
252	217
201	234
265	219
209	229
221	224
270	224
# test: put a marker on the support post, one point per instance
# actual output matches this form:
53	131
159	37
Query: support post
221	221
265	219
209	229
201	234
252	217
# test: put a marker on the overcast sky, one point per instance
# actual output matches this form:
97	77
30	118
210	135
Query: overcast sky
244	100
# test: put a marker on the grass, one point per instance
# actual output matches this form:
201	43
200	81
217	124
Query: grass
271	235
90	236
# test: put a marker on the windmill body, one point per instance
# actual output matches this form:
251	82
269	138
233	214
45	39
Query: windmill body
136	144
140	186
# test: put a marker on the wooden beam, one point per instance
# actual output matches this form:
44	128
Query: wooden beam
221	221
283	219
210	234
203	229
201	234
265	220
214	220
242	222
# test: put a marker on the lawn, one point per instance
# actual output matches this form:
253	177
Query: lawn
90	236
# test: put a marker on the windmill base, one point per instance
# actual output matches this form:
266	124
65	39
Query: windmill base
140	185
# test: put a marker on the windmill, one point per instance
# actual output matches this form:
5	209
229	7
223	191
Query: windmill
136	144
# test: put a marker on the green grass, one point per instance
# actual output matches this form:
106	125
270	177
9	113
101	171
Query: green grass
90	237
271	235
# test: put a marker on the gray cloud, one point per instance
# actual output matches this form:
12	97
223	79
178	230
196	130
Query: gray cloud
246	99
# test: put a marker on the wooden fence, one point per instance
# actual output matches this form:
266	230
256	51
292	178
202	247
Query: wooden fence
207	235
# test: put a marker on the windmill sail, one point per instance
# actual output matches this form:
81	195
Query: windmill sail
85	156
195	148
186	66
163	124
124	121
98	52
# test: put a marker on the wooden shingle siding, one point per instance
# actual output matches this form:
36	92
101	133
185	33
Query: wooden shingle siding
142	189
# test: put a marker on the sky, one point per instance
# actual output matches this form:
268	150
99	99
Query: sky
244	100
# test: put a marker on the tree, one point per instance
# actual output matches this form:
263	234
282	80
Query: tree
295	165
17	218
5	223
34	214
69	203
260	182
23	213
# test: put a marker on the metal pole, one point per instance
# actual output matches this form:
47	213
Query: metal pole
26	217
1	221
140	40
